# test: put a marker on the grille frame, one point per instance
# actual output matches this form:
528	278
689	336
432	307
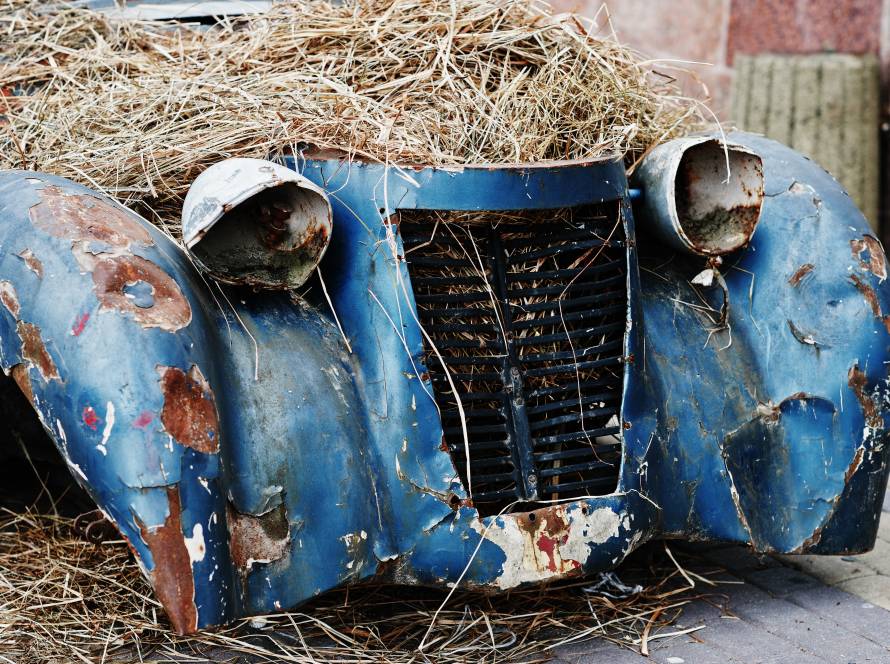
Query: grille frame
527	429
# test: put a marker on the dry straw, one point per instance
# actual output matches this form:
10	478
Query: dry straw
66	599
138	109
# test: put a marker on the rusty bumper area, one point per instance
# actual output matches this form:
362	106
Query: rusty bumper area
252	461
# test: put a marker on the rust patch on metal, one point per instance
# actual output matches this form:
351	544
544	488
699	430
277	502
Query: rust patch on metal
32	262
257	539
272	224
22	377
800	273
189	412
856	379
10	299
874	261
35	353
316	240
854	465
872	298
86	218
803	337
172	577
101	235
166	307
771	412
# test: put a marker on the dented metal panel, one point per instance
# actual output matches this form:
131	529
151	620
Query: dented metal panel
256	448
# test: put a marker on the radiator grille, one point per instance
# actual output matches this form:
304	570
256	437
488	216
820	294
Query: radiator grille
526	311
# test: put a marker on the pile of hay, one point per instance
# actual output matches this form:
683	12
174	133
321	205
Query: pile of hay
138	109
65	599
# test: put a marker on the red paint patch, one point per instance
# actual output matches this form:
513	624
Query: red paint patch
80	324
145	418
548	546
90	418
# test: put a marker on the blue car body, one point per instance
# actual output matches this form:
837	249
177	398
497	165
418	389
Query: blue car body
258	448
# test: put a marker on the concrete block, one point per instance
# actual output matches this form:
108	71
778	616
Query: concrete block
740	88
781	107
807	94
759	92
825	106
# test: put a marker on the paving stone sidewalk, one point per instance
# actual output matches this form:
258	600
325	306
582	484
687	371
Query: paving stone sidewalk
867	576
781	610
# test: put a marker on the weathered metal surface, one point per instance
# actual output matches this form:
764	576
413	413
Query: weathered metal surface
253	458
253	222
702	196
771	429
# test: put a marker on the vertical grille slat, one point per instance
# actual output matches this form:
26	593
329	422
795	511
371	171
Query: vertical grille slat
527	310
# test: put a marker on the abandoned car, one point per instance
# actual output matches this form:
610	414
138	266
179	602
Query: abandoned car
490	376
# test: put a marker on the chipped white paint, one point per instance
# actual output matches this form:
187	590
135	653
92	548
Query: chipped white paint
62	437
106	432
204	483
195	544
355	548
257	561
79	471
559	542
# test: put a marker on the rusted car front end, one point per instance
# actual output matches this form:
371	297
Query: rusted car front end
494	377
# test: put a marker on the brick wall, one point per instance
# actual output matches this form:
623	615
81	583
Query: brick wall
713	31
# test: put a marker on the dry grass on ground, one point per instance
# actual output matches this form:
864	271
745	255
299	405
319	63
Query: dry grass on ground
66	599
